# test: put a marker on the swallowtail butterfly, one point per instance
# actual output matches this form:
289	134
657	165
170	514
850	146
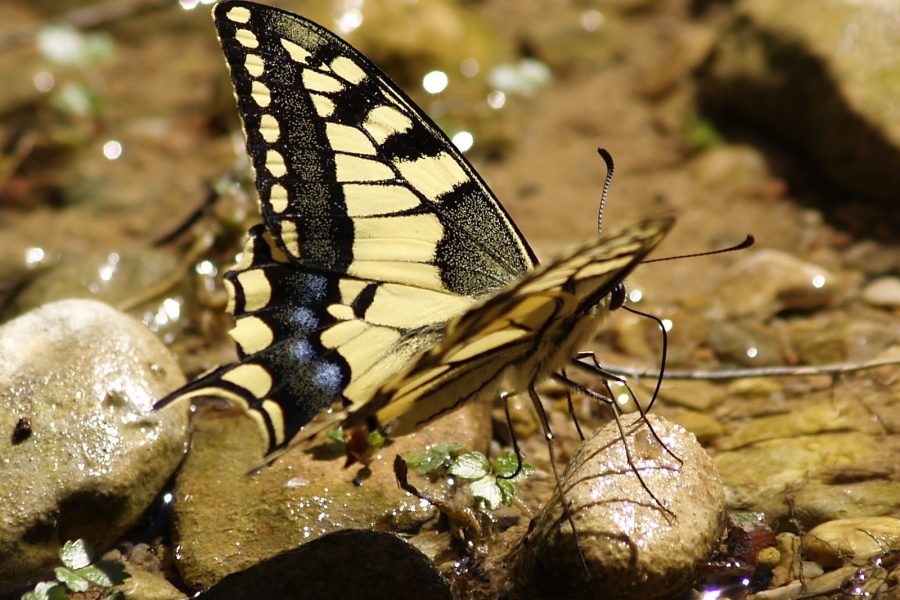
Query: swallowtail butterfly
386	278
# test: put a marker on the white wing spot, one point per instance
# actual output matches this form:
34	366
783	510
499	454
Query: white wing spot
253	378
268	128
323	105
278	198
432	176
289	238
354	168
276	417
238	14
246	38
298	53
275	164
365	200
384	121
261	94
344	138
350	289
254	65
341	312
252	335
320	82
256	288
349	70
410	238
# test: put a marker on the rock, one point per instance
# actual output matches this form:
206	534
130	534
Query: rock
142	585
93	455
702	425
350	565
225	521
748	534
743	344
816	74
117	278
633	548
855	540
786	466
884	291
765	282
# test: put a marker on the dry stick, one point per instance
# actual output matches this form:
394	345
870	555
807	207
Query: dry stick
719	374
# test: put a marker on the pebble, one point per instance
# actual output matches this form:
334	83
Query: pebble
84	377
884	292
633	547
855	540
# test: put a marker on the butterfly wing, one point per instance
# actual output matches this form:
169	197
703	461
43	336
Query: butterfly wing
377	231
514	338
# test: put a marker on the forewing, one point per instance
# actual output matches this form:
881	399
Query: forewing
514	338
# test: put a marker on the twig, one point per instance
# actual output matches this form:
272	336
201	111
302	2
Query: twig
718	374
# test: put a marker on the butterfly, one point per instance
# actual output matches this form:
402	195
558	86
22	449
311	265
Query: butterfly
386	280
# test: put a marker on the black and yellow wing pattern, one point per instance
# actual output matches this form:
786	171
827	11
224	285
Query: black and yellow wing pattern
385	278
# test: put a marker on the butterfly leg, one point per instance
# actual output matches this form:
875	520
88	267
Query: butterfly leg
571	406
548	436
624	437
512	436
606	376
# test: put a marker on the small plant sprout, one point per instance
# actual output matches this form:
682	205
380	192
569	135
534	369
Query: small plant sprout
77	574
491	485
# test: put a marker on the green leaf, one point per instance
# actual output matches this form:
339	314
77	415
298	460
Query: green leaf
470	465
507	491
487	492
335	434
506	464
46	590
76	554
376	440
73	580
448	449
105	573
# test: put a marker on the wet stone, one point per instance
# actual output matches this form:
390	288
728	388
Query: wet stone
763	283
632	546
225	520
855	540
792	65
84	376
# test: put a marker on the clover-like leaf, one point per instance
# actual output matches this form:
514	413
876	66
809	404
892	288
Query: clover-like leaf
470	465
71	579
106	573
487	492
76	554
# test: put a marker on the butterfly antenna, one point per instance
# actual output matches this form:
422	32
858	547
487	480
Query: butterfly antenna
665	348
748	241
610	169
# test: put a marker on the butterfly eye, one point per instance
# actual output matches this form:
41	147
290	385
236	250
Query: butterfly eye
617	296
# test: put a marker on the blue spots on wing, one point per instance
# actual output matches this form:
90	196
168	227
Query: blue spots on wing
328	377
302	351
304	319
314	289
